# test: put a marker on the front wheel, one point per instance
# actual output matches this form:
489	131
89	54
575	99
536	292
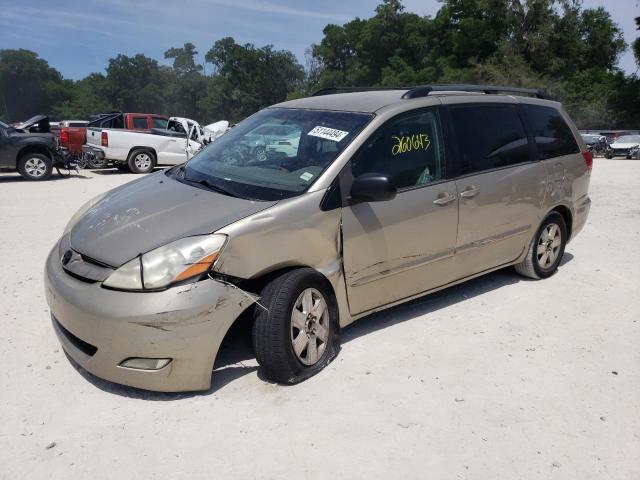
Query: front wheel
546	250
35	166
295	331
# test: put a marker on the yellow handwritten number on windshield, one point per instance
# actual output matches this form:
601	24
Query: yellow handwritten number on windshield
419	141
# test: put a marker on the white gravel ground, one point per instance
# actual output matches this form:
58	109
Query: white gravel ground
500	378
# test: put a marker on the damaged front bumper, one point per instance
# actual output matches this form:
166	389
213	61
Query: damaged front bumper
101	328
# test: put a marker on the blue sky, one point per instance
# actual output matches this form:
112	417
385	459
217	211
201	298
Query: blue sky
79	36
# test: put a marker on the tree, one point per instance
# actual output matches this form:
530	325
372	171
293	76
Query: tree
187	84
28	85
247	78
136	84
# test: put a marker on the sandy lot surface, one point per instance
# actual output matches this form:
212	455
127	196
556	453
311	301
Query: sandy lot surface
497	378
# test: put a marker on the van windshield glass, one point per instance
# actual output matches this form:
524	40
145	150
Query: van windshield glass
274	154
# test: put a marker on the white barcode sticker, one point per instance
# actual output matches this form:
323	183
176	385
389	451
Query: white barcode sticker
328	133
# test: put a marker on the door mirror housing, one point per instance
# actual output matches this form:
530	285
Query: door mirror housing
372	187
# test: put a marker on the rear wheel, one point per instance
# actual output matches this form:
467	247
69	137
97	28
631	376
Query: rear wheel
295	335
35	166
546	250
141	161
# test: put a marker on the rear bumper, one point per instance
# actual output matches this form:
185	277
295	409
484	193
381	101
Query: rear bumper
99	328
580	215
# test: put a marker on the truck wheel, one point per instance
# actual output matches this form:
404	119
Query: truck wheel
546	250
35	166
141	161
295	331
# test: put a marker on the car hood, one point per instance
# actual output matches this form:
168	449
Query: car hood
624	145
152	212
37	119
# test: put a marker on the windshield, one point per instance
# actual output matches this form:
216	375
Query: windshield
276	153
628	139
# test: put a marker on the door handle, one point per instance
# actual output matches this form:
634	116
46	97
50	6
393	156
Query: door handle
444	199
470	191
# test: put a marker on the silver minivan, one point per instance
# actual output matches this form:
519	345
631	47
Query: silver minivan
378	197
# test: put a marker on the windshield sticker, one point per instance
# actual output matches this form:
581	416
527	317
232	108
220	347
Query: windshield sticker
306	176
328	133
419	141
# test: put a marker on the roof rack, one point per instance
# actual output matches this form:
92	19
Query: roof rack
333	90
425	90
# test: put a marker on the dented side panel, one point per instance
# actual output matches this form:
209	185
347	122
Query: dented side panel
293	233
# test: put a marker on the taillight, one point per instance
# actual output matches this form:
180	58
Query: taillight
64	137
588	159
104	139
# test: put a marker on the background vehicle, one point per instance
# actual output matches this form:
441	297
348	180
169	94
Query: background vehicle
597	144
273	138
73	133
625	146
141	151
30	148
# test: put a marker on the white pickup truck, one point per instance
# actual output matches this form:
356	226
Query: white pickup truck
140	152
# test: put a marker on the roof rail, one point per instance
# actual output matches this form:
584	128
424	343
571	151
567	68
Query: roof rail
425	90
333	90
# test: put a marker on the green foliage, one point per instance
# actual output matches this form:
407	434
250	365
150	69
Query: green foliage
552	44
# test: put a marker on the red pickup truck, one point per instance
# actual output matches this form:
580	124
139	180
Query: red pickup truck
73	133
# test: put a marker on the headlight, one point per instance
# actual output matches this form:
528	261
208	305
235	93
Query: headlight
180	260
82	211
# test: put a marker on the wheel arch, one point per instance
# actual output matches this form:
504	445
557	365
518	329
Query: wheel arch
150	150
566	214
33	148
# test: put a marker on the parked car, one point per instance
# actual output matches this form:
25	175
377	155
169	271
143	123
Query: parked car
29	147
140	152
391	195
72	134
627	146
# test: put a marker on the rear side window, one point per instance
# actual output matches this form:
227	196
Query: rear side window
408	149
488	136
139	123
552	134
160	123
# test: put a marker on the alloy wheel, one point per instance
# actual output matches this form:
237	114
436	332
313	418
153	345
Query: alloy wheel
549	245
310	326
35	167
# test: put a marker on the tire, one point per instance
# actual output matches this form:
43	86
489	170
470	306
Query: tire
123	167
608	156
275	332
260	154
35	166
141	161
544	254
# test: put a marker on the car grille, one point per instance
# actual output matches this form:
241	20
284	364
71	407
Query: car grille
80	344
621	151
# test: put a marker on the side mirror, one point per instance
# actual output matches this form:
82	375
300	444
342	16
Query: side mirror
372	187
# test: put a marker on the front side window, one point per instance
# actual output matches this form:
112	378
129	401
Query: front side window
407	149
139	123
553	136
488	136
274	154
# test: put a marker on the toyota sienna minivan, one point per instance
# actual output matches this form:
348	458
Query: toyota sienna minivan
385	195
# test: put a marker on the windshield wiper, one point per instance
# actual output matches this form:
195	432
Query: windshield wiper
211	186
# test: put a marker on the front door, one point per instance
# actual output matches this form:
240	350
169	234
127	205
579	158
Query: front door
401	247
501	190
